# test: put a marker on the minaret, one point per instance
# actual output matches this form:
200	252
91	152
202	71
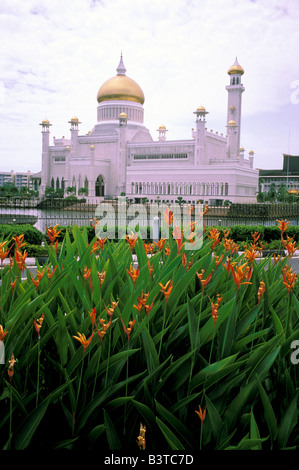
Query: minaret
74	122
199	136
122	164
45	156
234	106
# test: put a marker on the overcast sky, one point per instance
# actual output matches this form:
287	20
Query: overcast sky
55	55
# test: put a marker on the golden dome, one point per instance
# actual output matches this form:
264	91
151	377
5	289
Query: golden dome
236	68
45	121
201	108
120	87
162	127
123	115
75	119
232	123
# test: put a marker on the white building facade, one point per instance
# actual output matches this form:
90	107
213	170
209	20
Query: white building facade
120	157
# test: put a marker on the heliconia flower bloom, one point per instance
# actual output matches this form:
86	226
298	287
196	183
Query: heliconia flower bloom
94	222
53	234
166	289
255	236
101	277
133	273
86	273
10	370
149	247
289	278
215	308
148	308
38	324
128	330
132	239
184	260
226	232
204	282
276	258
92	315
13	284
50	273
110	310
167	251
19	241
201	414
82	338
105	326
168	217
230	245
141	438
291	248
178	237
98	244
229	265
239	274
3	252
251	254
150	267
160	243
282	225
218	259
261	290
20	259
2	333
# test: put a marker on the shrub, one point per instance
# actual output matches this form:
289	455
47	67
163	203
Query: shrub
31	234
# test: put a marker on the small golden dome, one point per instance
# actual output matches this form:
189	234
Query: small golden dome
123	115
75	119
251	152
45	121
201	108
232	123
92	147
162	127
236	68
241	148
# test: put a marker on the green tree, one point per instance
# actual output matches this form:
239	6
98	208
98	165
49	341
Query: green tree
82	192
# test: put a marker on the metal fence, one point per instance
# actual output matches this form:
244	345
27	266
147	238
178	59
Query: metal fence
67	213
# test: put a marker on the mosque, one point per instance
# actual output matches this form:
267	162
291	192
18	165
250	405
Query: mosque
120	157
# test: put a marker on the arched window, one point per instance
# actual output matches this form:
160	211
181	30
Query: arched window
100	187
57	183
52	183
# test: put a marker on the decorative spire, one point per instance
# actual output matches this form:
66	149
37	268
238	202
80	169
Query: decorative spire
121	69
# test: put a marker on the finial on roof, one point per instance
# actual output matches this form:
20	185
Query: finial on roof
121	69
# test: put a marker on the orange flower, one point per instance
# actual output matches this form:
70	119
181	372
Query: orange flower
215	308
239	274
94	225
230	245
38	324
2	333
3	252
251	254
149	247
82	338
291	248
184	260
11	363
50	273
132	239
141	438
105	326
86	273
229	265
168	217
282	225
255	236
13	284
214	235
53	234
160	243
133	273
141	301
178	236
19	241
261	290
218	260
101	277
201	414
166	292
167	251
92	315
289	278
204	282
276	258
128	330
20	259
110	310
148	308
150	267
99	244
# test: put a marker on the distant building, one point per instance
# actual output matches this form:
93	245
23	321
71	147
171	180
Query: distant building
288	175
119	156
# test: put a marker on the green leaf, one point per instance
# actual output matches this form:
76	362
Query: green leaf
288	422
269	413
112	437
30	425
170	437
175	423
